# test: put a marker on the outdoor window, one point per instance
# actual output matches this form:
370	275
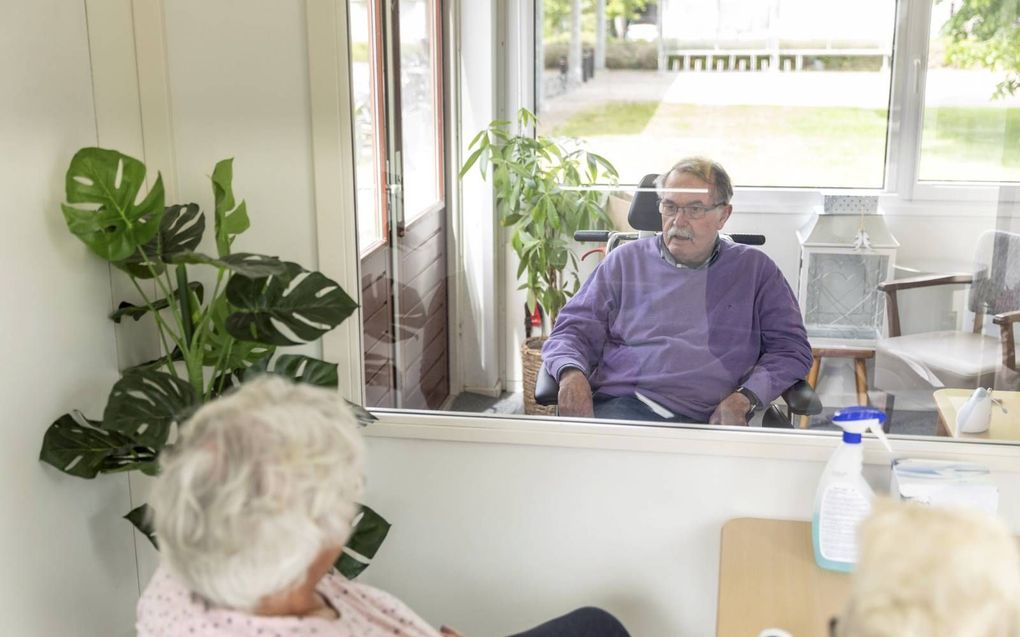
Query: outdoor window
971	114
782	93
368	140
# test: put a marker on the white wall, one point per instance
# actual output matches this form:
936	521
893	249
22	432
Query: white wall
495	530
66	555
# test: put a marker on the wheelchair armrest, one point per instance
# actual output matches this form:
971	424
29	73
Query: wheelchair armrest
802	399
547	388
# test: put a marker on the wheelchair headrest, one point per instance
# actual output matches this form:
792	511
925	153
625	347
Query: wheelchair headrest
644	208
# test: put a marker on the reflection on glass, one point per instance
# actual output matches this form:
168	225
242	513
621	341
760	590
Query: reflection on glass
783	93
837	138
418	106
971	115
366	119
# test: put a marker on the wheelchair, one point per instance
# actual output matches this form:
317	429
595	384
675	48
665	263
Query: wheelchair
800	398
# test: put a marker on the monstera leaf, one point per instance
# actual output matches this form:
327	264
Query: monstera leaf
243	263
302	369
80	447
370	529
145	402
180	231
219	347
102	188
229	220
136	312
307	303
142	519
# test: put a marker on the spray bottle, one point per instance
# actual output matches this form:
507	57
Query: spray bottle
844	498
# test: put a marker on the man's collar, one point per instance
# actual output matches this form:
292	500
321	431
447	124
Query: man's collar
668	257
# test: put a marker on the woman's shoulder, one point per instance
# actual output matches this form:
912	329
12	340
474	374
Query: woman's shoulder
369	611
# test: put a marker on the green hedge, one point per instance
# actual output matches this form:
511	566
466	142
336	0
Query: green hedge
642	56
619	55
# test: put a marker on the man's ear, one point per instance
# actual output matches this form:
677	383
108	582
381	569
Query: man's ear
724	217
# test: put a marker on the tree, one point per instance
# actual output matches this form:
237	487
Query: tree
987	33
557	13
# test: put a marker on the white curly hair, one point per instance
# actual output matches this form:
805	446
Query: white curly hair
933	572
258	483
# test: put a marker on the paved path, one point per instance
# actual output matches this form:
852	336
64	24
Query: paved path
816	88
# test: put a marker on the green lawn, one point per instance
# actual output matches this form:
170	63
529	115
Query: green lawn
609	118
799	146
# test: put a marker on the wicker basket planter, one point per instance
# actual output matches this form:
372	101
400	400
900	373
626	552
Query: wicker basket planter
531	361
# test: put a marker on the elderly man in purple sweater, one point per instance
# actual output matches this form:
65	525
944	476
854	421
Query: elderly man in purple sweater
683	326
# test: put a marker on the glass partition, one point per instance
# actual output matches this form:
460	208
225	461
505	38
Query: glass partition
790	94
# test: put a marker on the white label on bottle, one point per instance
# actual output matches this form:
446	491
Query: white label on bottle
842	509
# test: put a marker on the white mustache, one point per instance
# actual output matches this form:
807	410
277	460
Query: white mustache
683	233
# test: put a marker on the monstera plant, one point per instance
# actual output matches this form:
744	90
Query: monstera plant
211	339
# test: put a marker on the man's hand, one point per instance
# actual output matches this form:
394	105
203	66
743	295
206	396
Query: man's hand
575	394
731	411
446	631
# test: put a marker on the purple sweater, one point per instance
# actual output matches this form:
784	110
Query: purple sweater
684	338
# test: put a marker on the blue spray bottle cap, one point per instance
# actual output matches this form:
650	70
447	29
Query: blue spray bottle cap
856	420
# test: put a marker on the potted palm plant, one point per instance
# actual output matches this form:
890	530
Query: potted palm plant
538	183
210	340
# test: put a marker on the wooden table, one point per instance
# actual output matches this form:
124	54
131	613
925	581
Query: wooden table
768	579
1004	426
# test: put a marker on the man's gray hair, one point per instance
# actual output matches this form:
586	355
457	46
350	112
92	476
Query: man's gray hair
258	483
706	170
930	572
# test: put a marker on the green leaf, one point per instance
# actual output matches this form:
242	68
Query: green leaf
136	312
230	221
243	263
299	368
175	355
107	182
79	447
144	403
308	304
180	230
370	530
472	158
219	347
362	415
141	517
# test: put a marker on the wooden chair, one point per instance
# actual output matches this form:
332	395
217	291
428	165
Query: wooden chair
957	358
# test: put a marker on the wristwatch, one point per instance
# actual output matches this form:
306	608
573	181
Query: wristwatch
754	400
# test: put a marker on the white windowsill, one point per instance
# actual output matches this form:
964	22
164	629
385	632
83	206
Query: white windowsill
682	440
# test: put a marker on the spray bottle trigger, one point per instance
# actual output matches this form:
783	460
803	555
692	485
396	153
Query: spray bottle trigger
876	428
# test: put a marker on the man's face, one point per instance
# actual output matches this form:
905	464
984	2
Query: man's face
690	240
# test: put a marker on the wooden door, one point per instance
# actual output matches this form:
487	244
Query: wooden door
396	71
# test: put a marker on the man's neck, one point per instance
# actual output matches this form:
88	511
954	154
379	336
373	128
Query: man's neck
669	258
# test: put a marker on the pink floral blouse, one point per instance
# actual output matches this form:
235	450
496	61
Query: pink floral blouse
168	609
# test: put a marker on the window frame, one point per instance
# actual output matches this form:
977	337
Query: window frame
905	123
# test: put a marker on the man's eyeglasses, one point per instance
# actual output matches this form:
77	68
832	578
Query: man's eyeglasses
669	209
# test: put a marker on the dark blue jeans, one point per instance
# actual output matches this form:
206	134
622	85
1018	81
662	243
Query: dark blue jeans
630	408
583	622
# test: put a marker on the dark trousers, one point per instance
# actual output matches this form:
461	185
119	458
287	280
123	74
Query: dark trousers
583	622
630	408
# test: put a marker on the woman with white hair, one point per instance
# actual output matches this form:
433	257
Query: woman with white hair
253	506
933	572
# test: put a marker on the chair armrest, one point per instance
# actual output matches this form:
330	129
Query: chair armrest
1005	322
547	388
1006	318
802	399
928	280
890	288
774	419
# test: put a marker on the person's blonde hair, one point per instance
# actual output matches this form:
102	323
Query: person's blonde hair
933	572
258	483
